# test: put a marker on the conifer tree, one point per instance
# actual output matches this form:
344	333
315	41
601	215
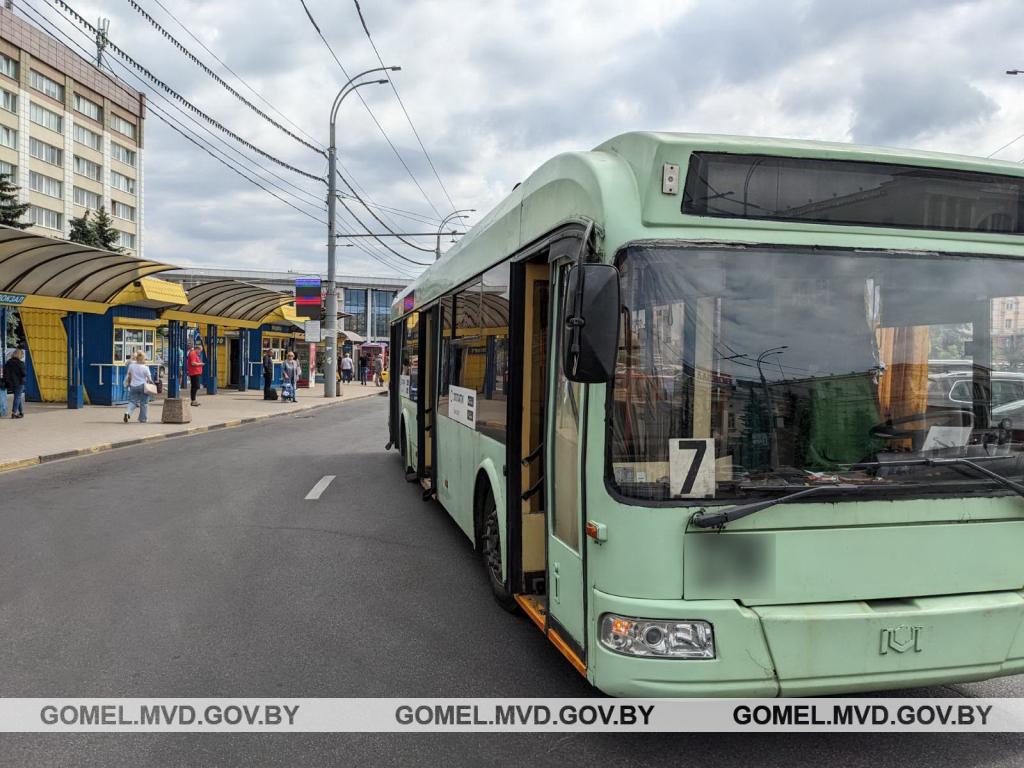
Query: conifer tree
11	210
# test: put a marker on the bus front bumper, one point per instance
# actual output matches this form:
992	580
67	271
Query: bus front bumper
819	648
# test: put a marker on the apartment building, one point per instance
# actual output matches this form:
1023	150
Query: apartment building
70	136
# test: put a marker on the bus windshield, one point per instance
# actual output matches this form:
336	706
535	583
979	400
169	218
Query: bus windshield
800	364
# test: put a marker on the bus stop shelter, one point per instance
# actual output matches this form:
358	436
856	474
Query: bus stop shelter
56	285
227	317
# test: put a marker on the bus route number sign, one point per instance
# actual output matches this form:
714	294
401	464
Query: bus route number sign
462	405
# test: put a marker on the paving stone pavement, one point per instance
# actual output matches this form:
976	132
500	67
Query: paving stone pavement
51	431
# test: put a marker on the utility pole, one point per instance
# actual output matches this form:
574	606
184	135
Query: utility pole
331	363
102	28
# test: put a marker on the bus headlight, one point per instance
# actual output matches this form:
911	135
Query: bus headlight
657	638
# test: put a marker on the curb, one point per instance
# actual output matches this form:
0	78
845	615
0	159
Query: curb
100	448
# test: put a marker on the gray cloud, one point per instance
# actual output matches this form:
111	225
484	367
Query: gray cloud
496	88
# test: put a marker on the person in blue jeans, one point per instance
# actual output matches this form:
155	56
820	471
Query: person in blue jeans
14	374
136	379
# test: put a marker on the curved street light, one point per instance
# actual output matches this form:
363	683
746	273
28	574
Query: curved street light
456	214
331	310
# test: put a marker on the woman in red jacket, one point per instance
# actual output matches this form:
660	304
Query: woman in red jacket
194	366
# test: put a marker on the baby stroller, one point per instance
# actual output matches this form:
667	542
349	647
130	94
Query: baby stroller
287	391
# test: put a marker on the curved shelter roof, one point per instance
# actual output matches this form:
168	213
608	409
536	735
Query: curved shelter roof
233	300
37	265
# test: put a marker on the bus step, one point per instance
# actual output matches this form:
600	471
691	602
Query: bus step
536	607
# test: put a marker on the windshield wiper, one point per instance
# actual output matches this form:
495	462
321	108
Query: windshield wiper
954	461
715	519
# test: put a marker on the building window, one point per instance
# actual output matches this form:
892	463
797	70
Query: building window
122	154
88	108
88	168
10	171
45	185
44	217
124	183
355	305
126	239
9	67
88	138
45	118
128	341
43	84
8	137
1008	324
45	152
380	314
122	211
87	199
8	101
121	125
1009	306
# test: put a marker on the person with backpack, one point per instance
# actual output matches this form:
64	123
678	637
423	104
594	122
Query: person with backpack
14	375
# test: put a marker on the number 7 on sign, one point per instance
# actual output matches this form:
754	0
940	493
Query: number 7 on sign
691	465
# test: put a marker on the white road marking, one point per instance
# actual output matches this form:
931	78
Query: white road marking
320	487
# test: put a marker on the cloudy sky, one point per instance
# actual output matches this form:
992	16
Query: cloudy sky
494	88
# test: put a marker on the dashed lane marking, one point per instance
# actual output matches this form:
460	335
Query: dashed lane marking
320	487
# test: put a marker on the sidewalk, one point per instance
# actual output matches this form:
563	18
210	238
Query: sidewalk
51	431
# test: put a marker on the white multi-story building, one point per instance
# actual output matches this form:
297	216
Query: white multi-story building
71	136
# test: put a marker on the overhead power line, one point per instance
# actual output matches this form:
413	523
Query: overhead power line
368	110
382	259
402	105
240	79
217	78
177	96
411	245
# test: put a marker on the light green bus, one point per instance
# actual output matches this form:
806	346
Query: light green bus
736	417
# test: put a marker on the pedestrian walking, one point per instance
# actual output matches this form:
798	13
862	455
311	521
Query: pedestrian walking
346	368
3	389
268	374
136	379
14	374
290	377
363	368
195	370
378	370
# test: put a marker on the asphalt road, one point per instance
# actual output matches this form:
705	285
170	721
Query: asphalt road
196	567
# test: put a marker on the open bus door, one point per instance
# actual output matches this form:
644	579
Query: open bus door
426	400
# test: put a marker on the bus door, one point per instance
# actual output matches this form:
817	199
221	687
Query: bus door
427	400
529	322
566	598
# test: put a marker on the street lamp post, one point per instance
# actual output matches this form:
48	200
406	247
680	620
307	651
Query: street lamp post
331	363
457	214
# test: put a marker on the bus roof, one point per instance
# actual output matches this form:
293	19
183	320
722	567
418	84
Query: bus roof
618	186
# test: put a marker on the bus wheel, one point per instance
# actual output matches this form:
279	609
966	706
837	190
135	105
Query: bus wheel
490	548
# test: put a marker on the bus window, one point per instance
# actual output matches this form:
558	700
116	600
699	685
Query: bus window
492	413
445	358
410	354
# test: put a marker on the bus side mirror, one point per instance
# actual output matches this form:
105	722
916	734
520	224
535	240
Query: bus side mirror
591	323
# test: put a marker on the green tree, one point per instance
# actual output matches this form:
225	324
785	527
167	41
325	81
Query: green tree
103	231
82	231
11	210
98	232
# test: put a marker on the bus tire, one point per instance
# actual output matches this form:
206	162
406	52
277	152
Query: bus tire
490	552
